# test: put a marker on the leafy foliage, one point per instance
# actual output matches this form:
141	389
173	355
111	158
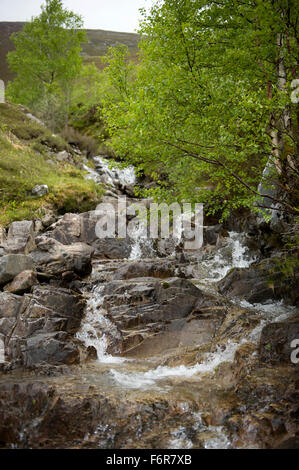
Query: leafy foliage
46	61
207	108
89	90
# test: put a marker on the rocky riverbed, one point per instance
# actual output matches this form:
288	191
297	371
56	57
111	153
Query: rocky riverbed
125	343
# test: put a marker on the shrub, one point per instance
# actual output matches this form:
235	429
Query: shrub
83	142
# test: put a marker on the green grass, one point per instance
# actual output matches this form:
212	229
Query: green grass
13	119
22	167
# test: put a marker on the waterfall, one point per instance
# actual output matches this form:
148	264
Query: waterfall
269	312
97	328
142	246
234	254
141	380
113	176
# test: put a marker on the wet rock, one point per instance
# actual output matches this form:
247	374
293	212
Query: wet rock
154	315
275	343
148	311
113	248
20	237
21	403
49	348
244	356
39	327
12	265
211	233
22	283
39	415
40	190
259	283
52	257
267	409
146	269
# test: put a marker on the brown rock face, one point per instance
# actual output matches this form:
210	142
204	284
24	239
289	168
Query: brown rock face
38	415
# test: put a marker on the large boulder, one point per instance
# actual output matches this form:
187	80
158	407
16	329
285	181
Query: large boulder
39	327
113	248
20	237
22	283
154	315
50	303
12	265
49	348
67	230
261	282
74	228
211	234
52	257
275	342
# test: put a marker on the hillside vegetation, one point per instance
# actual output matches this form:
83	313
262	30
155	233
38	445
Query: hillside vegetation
98	44
28	158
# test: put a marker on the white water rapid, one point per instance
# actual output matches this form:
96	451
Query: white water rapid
110	175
